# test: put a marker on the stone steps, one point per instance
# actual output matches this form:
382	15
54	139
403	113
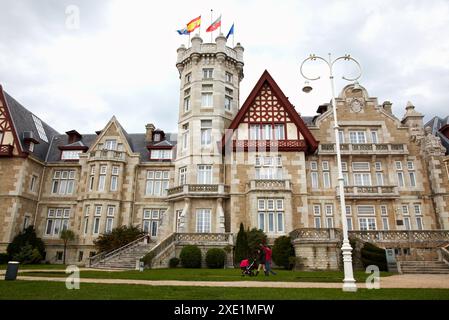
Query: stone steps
429	267
126	259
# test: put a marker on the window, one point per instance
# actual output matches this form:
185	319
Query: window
185	136
33	183
398	165
417	209
317	221
203	220
157	183
57	220
110	219
314	176
267	132
254	132
412	179
374	136
419	224
407	223
378	166
344	166
326	174
151	219
271	215
161	154
325	165
317	210
71	154
383	210
157	137
80	256
345	179
186	104
329	209
102	178
357	137
362	179
379	178
63	182
206	132
182	176
313	165
341	136
348	210
400	176
86	218
40	128
110	144
410	165
97	216
349	224
385	225
207	99
91	178
367	224
208	73
329	222
204	174
360	166
405	210
366	210
279	132
228	77
188	78
26	222
228	103
268	167
114	178
59	255
31	146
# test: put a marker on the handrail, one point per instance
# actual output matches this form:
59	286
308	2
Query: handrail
444	255
104	255
161	246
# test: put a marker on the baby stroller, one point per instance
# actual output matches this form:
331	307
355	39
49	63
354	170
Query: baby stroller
247	267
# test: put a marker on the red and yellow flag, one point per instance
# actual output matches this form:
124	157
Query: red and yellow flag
195	23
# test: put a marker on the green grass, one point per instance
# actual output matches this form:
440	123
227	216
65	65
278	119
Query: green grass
38	290
37	266
208	275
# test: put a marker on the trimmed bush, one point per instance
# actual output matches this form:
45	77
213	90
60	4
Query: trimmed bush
373	255
241	246
173	263
282	251
117	238
20	246
4	258
190	257
147	259
215	258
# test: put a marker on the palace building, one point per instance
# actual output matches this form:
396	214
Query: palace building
260	163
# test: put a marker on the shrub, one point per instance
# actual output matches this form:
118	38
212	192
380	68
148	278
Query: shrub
215	258
173	263
26	237
282	251
4	258
117	238
241	246
147	259
28	255
373	255
292	260
255	238
190	257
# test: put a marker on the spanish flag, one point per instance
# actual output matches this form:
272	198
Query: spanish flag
192	25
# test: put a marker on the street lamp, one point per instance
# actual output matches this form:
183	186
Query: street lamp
348	281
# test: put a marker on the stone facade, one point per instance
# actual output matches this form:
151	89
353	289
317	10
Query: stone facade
260	164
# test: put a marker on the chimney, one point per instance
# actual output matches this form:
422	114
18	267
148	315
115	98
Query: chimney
74	136
387	106
149	132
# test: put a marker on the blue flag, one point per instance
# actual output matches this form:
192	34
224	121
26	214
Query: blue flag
182	31
231	31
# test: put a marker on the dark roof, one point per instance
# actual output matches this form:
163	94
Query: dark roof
23	121
61	140
308	120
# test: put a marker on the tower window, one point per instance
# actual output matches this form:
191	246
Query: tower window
208	73
207	99
206	132
188	78
228	77
228	103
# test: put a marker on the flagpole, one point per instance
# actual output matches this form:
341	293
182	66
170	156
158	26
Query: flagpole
211	19
188	42
233	34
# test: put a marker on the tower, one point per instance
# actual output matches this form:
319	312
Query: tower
210	75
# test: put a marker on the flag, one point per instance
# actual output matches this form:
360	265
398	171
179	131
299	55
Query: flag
182	31
215	25
231	31
195	23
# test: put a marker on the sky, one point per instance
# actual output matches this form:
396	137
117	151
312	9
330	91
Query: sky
77	63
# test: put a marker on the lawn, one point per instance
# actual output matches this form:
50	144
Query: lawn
37	290
37	266
208	275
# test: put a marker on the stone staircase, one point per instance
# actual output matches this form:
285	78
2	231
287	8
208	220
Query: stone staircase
124	257
428	267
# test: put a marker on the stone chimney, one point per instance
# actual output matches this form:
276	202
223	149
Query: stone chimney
149	132
387	106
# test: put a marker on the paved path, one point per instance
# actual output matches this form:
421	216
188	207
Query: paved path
395	281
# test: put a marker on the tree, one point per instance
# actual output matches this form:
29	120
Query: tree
255	238
26	237
66	236
241	246
27	255
117	238
282	251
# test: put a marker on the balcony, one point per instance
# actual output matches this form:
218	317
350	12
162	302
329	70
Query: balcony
109	155
269	185
198	191
373	192
364	148
6	150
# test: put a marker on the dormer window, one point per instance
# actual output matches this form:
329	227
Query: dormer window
161	154
157	137
110	144
31	147
71	154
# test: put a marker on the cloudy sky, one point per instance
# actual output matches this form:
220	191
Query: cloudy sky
121	59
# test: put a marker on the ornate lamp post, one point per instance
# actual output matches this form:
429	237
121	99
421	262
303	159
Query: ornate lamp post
349	281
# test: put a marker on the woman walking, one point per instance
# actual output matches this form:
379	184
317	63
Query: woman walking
261	261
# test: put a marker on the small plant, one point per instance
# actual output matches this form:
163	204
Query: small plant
66	236
190	257
148	259
292	262
173	263
215	258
